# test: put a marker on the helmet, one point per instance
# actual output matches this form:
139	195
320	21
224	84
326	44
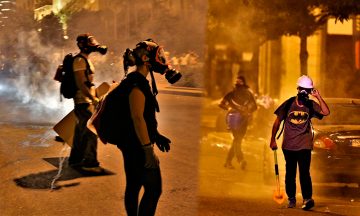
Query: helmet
305	82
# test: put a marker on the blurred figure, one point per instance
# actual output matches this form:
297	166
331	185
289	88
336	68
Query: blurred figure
37	71
238	101
193	59
183	62
175	61
297	142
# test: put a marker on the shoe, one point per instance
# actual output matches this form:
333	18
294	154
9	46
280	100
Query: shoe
74	165
97	169
58	139
243	165
308	204
292	203
229	165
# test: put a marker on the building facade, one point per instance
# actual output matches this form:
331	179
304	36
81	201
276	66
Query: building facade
333	62
7	12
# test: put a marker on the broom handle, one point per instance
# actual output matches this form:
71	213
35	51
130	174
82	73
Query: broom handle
276	172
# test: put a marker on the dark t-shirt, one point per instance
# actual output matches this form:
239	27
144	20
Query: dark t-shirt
297	132
242	97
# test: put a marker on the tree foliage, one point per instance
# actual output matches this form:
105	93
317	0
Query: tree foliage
50	30
9	34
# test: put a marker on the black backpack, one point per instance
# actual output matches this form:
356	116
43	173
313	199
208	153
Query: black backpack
286	111
68	86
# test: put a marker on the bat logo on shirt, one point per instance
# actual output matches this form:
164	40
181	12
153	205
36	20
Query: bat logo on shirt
298	117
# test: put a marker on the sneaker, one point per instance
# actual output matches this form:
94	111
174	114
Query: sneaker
308	204
229	165
243	165
97	169
292	203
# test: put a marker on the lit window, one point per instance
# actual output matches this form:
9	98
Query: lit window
5	9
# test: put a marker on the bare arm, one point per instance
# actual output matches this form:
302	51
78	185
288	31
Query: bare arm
223	105
324	108
275	129
80	83
137	106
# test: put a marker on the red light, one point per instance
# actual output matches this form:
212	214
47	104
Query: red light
329	144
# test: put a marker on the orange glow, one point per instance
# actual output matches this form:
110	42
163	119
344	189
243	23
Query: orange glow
329	144
357	54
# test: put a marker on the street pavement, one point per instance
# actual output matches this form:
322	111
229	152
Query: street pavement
225	191
29	161
194	179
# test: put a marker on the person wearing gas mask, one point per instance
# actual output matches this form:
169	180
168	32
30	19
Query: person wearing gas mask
297	144
240	101
84	149
132	108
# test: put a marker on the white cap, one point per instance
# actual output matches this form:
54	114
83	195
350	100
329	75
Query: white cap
305	82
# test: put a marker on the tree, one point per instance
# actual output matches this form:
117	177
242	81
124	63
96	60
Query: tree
85	21
50	30
23	22
300	18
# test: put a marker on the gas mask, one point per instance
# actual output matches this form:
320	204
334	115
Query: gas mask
303	95
239	86
92	45
158	61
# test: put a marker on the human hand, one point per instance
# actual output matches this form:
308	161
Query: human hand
162	142
273	145
95	101
315	93
151	160
232	110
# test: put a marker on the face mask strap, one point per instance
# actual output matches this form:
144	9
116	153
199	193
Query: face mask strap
155	91
157	56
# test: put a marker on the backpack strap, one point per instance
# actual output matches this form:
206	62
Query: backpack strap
286	110
87	65
310	105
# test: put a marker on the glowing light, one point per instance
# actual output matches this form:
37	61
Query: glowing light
39	30
66	37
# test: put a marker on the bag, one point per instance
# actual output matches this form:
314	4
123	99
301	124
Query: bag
65	75
235	120
94	123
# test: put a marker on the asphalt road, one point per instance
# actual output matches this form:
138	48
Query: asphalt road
29	159
225	191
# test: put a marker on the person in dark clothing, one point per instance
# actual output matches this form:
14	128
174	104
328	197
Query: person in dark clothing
134	102
240	100
297	143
